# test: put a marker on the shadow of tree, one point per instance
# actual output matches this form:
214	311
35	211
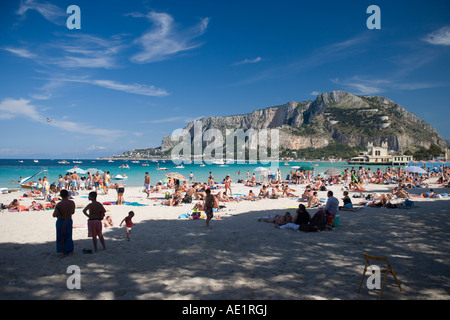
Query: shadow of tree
241	258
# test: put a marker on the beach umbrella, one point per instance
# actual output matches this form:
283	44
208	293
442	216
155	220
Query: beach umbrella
175	175
414	169
77	170
94	171
332	172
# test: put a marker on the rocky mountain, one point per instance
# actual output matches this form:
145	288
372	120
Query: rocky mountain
337	116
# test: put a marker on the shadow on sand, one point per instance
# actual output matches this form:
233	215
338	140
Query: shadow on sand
241	258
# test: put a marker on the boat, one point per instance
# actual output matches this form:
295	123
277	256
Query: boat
21	161
30	184
120	177
135	161
36	161
160	169
63	162
180	166
77	161
110	160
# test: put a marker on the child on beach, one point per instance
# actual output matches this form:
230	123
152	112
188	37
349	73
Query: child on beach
128	223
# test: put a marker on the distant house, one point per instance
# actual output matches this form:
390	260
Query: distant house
380	155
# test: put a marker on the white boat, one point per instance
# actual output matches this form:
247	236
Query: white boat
180	167
120	177
36	161
135	161
63	162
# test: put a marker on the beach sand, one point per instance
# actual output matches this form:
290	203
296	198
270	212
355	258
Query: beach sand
238	259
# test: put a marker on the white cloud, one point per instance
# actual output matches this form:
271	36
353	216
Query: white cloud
439	37
247	61
21	52
12	108
49	11
135	88
171	119
377	86
164	40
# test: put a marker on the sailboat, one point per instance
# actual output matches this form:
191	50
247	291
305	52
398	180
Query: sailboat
29	185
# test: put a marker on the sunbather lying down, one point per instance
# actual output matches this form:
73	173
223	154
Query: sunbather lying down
277	219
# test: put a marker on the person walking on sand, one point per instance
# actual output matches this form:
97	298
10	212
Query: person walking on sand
209	205
63	212
128	223
147	184
96	215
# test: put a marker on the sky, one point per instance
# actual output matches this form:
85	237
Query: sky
135	71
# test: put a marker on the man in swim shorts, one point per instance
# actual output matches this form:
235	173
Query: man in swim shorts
96	215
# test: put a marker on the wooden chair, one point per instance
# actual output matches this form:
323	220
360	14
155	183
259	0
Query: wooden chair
386	271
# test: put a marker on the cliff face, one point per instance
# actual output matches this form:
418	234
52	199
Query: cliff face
336	116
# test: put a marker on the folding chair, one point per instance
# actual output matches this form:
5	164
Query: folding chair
385	271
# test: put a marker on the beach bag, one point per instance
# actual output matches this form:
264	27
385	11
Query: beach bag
186	199
408	203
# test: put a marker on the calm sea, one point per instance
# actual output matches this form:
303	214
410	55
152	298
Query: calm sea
13	170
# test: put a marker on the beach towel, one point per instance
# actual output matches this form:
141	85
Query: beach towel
64	242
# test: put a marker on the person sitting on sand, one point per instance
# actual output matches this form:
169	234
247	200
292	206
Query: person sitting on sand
300	221
314	200
307	194
252	196
107	222
287	192
264	193
402	193
348	205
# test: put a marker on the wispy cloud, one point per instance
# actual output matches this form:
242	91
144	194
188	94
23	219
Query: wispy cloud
135	88
12	108
247	61
321	56
371	86
49	11
22	108
171	119
439	37
164	40
21	52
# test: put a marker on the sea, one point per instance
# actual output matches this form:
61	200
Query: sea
12	171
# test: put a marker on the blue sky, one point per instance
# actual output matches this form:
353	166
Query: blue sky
138	70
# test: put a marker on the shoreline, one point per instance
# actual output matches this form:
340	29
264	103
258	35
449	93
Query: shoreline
239	258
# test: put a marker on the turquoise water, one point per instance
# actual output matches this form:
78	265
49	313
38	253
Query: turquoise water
13	170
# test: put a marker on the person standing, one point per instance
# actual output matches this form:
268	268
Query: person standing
208	206
147	184
120	191
63	212
107	181
96	215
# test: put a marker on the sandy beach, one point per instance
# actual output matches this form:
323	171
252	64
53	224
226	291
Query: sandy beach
238	259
